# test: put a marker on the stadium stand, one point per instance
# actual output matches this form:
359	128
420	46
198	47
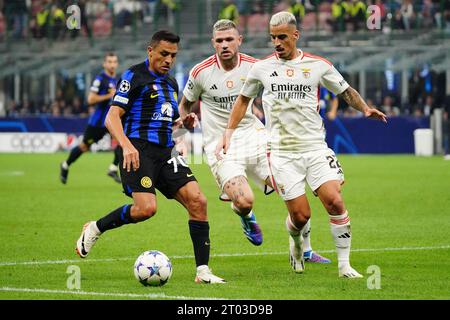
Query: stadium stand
46	69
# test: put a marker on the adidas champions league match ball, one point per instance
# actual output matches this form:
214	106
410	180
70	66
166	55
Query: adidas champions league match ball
153	268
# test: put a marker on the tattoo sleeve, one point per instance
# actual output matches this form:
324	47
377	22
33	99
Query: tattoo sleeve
352	97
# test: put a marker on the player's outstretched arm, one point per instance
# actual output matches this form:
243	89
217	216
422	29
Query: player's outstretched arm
238	112
353	98
114	125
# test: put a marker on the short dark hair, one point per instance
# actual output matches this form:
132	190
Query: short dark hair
109	54
164	35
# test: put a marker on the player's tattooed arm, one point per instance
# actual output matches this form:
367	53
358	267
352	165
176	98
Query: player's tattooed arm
354	99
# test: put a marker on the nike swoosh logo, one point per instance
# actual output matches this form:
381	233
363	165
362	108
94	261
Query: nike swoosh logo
153	95
189	175
82	246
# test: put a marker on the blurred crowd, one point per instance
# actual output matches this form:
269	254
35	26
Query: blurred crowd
46	18
338	15
49	18
426	93
65	104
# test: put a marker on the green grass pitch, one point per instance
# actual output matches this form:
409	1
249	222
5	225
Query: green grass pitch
399	206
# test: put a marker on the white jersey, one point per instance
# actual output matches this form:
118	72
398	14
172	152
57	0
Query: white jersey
291	99
218	89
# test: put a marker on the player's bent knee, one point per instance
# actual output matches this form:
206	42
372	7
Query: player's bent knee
149	211
300	218
84	147
144	212
335	205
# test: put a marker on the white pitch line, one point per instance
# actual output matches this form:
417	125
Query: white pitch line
12	173
26	263
106	294
4	264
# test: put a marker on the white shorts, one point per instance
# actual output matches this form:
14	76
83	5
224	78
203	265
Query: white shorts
246	157
290	172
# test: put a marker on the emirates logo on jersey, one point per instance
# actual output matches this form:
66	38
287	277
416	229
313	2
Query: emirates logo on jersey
290	72
230	84
306	73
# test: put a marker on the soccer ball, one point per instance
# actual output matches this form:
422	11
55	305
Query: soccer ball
153	268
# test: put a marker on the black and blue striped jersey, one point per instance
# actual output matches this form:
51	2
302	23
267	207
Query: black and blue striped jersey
101	86
150	102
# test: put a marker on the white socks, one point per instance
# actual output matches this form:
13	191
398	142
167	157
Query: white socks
113	167
342	236
65	165
94	228
306	236
294	232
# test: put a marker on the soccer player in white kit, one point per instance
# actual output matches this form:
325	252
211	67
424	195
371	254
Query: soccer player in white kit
217	81
298	153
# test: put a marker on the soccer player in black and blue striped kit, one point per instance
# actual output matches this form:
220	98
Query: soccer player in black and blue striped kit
142	116
102	91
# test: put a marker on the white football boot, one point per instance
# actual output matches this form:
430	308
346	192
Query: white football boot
296	257
205	275
346	271
88	237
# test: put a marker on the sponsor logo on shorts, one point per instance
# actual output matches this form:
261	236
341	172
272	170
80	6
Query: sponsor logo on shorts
146	182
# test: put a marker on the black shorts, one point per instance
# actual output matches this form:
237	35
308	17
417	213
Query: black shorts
93	134
158	168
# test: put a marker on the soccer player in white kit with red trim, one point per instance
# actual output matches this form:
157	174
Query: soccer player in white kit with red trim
217	81
298	153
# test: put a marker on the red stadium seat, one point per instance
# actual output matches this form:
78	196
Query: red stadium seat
102	26
2	24
258	22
